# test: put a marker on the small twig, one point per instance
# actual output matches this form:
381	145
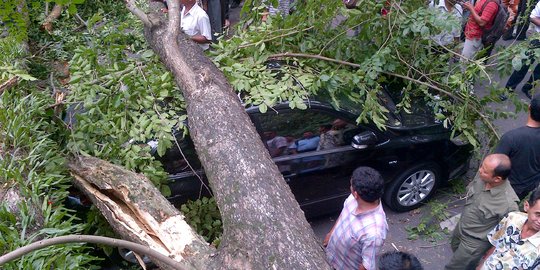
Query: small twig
436	245
393	245
272	38
55	105
9	83
80	19
51	78
342	33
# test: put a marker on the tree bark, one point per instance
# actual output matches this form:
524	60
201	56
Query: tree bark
264	227
137	211
51	17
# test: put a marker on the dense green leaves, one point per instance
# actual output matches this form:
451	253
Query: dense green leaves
348	54
32	163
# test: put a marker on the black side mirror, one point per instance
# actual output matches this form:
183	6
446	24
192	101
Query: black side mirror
364	140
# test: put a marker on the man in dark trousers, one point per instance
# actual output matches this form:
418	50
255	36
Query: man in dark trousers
522	145
489	198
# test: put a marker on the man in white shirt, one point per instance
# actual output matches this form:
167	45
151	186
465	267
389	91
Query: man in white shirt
447	7
195	23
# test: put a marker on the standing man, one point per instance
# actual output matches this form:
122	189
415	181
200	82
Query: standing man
489	199
522	145
358	235
195	23
481	17
516	240
518	75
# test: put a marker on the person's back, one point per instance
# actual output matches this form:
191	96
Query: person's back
522	145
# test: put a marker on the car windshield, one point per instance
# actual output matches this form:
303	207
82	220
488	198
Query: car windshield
420	113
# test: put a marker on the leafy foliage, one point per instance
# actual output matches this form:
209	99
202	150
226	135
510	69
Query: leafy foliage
429	224
349	54
204	217
32	163
122	98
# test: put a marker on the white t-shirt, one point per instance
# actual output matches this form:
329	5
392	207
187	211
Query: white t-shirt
536	14
446	38
196	22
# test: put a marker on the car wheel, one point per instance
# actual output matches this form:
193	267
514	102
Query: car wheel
413	187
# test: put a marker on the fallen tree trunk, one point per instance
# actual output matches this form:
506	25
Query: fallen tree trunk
137	211
264	228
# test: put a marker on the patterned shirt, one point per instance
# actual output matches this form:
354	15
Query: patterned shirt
511	251
357	238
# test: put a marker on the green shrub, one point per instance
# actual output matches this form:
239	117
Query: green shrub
203	216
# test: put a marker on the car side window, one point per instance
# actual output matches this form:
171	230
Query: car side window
294	132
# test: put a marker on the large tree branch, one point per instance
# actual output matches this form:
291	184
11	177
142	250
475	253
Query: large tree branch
132	7
173	26
51	17
123	198
90	239
484	118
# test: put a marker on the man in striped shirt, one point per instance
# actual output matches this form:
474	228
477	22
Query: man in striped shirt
358	235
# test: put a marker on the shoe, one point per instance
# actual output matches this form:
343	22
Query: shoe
507	35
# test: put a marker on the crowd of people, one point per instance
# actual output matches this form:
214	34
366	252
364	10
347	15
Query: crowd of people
491	234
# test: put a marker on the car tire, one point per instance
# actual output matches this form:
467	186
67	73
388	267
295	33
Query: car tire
412	188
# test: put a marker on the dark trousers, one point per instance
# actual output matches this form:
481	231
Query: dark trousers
467	251
521	21
518	75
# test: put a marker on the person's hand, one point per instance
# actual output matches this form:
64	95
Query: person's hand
227	23
326	239
468	5
350	3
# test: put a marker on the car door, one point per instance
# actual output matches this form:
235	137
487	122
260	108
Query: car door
319	178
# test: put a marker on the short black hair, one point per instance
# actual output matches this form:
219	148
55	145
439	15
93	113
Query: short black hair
326	126
534	197
368	183
398	260
534	108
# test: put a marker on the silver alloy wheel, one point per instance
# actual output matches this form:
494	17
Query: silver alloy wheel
416	187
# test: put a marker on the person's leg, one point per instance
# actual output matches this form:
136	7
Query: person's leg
471	47
528	86
214	13
518	75
468	254
522	20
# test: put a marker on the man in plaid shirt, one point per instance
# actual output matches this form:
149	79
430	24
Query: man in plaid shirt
358	235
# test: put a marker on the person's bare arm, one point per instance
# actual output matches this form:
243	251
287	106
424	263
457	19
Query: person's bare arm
329	234
200	39
536	21
474	15
361	267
